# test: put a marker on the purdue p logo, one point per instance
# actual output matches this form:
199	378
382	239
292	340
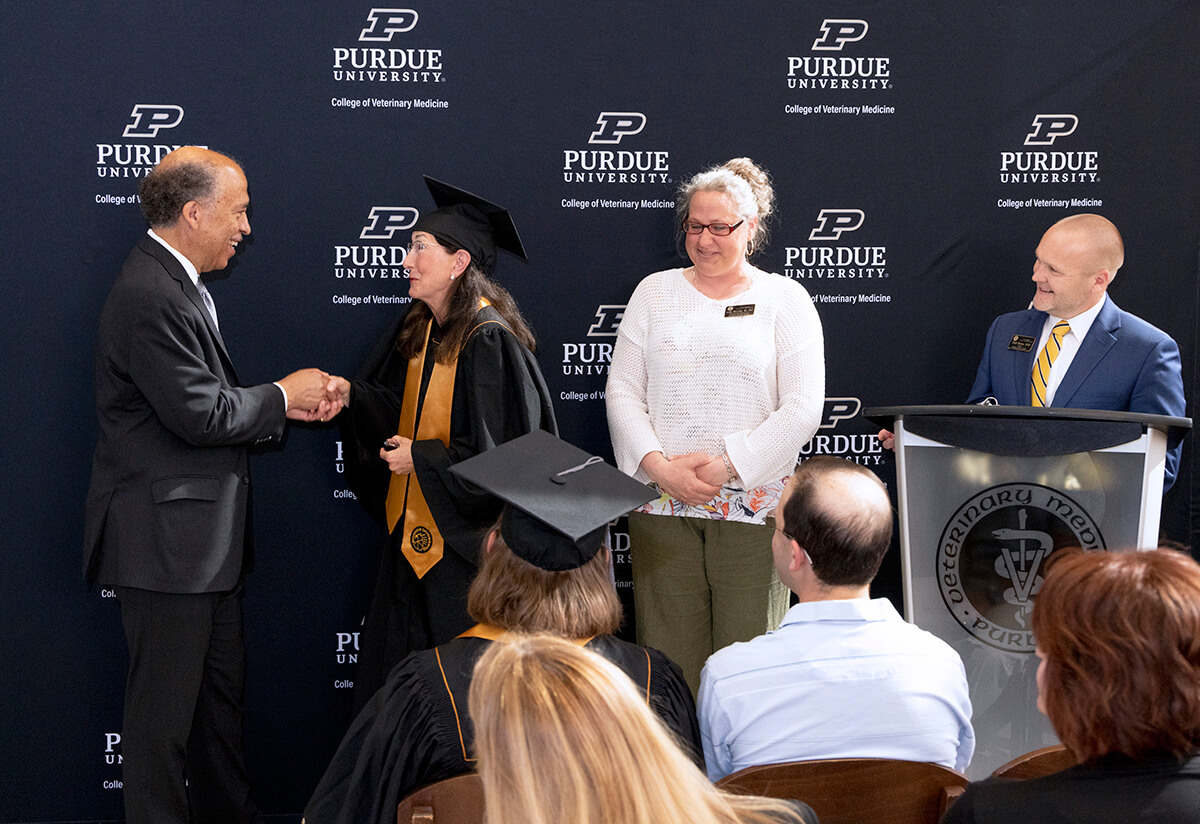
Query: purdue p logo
608	319
385	221
383	23
611	127
832	222
148	118
837	33
1050	127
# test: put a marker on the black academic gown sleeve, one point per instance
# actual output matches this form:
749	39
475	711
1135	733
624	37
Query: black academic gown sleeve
671	699
404	738
669	695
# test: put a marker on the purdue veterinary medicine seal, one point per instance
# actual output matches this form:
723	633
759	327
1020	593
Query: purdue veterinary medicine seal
991	554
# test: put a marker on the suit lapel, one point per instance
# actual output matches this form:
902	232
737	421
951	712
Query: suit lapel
175	269
1092	350
1029	326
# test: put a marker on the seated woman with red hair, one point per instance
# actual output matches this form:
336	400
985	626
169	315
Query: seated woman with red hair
1118	635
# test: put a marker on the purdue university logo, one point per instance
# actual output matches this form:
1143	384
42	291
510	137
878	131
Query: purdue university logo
992	552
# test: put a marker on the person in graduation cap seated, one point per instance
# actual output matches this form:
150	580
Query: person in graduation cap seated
545	569
454	376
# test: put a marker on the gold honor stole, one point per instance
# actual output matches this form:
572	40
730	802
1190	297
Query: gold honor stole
422	544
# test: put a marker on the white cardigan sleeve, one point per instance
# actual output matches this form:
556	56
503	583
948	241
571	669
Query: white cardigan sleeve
625	394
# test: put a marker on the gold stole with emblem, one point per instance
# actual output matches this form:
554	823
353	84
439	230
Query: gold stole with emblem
422	542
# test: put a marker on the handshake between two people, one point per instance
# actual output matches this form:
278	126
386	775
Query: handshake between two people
314	395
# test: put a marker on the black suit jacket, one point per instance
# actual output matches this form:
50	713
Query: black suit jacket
166	510
1110	790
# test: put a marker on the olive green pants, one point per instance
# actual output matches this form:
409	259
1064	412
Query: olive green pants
700	585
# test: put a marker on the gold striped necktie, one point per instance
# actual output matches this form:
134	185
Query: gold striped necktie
1045	359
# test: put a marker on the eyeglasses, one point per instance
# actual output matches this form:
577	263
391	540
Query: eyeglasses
771	521
717	229
421	246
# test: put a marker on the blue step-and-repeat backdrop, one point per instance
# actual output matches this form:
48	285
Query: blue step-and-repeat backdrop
918	152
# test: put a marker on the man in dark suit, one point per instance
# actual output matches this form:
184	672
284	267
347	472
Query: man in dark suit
1107	359
166	514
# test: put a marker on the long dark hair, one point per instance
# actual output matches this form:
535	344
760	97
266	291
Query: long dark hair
473	284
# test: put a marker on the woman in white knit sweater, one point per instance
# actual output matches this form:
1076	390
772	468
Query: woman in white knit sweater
717	381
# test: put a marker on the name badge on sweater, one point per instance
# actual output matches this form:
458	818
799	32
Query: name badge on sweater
740	311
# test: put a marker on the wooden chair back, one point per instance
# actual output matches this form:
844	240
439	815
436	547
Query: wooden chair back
1037	763
857	790
457	800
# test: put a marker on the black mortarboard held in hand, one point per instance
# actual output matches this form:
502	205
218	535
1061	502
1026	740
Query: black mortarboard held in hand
560	498
469	222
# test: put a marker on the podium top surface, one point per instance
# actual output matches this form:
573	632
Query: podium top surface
886	415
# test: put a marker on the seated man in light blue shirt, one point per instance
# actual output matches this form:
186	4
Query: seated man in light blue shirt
844	676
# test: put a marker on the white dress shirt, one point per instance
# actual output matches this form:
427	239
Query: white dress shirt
1080	324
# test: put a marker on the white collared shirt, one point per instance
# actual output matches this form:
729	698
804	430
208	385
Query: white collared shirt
1080	324
188	266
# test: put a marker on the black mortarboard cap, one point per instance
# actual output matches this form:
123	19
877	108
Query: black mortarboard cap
560	498
472	223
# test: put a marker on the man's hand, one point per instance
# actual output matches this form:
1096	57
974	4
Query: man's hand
887	439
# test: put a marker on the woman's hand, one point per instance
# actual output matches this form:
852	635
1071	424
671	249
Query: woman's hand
340	388
678	476
399	457
713	471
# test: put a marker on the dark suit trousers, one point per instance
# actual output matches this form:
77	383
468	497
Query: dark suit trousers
183	708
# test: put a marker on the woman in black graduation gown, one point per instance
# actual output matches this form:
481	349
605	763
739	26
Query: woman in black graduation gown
454	376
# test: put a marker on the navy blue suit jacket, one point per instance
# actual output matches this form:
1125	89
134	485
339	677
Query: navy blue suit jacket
1124	364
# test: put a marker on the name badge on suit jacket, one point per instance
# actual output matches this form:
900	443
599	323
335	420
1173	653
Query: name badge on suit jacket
1021	343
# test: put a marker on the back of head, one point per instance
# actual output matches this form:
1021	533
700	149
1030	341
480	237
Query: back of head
841	514
745	183
562	735
513	594
1120	635
186	174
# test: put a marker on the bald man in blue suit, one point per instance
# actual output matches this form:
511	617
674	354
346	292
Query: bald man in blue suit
1109	359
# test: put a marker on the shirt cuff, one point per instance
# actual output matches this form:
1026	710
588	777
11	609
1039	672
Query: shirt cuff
285	397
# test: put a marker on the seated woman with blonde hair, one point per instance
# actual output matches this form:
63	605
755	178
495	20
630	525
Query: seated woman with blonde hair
562	735
1118	634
